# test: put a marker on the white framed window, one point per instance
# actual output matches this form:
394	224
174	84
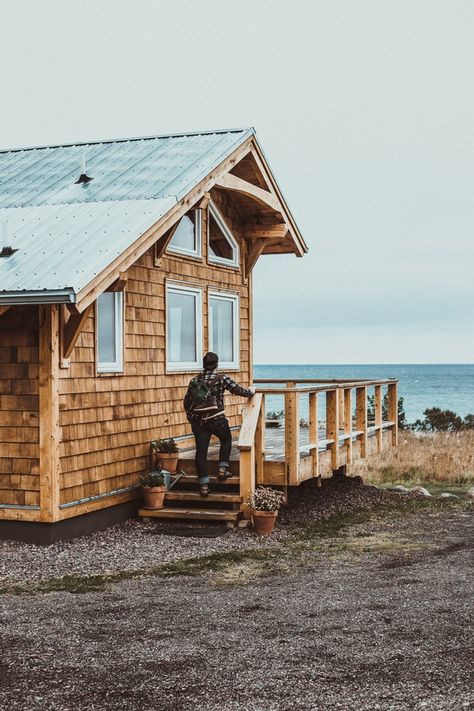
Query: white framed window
183	327
187	236
110	332
222	245
224	329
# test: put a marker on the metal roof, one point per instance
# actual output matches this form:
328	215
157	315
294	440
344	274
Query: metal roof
63	247
67	233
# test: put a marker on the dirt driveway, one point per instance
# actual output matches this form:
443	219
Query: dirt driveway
378	616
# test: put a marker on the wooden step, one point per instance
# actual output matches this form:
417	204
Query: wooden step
179	495
196	514
192	479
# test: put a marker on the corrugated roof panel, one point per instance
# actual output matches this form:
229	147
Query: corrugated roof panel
66	246
138	169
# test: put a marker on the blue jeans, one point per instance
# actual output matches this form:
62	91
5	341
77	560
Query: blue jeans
219	426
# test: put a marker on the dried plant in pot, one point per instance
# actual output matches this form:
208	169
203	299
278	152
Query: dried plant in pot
154	490
166	454
265	504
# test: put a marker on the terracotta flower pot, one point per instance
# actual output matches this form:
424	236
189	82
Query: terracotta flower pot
154	497
264	521
167	461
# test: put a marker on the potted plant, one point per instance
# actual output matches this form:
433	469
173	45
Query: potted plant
166	454
265	504
154	490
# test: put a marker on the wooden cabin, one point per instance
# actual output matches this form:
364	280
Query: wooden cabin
121	263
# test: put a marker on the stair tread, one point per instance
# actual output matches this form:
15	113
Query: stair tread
190	479
206	514
180	495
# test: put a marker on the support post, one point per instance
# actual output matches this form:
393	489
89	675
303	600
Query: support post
49	465
378	416
260	446
393	411
313	436
332	426
292	435
361	418
348	423
247	477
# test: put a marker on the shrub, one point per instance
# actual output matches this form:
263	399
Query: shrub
266	499
165	446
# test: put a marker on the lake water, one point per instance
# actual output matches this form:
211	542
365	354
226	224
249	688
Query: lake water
422	386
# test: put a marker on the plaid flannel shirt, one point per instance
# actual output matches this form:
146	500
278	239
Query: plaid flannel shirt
223	384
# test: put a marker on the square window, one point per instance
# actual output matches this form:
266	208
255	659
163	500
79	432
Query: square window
183	327
224	328
110	332
222	246
187	235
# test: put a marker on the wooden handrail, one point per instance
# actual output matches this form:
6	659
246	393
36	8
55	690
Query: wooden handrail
323	380
250	422
326	388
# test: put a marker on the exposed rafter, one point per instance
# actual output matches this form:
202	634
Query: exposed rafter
232	182
278	230
120	283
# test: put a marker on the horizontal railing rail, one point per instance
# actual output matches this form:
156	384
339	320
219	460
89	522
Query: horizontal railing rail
344	424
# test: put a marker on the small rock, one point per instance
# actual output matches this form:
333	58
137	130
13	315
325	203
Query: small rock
470	493
420	490
400	488
447	495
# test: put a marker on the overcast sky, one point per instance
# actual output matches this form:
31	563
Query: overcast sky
364	108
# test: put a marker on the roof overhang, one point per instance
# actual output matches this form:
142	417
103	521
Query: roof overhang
44	296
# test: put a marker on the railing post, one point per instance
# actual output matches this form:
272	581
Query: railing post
260	446
332	426
247	477
393	411
378	416
361	418
348	423
292	435
340	397
313	436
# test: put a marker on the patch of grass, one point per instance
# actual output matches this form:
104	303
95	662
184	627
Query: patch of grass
441	458
241	566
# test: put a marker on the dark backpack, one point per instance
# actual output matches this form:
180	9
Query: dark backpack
201	397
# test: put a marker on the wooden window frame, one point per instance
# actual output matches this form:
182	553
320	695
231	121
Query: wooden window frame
193	254
235	299
185	367
116	367
214	212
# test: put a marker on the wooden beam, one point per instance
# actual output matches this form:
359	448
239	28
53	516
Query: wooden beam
120	283
253	253
332	425
313	436
348	423
263	197
3	309
72	330
292	436
203	202
393	410
361	418
49	433
276	231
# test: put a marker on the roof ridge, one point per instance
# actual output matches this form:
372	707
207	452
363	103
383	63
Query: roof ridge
183	134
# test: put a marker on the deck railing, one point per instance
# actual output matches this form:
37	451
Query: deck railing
342	425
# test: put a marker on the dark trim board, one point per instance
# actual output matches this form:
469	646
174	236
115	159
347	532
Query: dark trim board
44	534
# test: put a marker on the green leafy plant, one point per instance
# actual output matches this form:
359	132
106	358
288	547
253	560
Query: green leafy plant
402	418
165	446
266	499
437	420
152	479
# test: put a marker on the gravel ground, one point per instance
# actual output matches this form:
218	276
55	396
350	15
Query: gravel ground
376	617
135	546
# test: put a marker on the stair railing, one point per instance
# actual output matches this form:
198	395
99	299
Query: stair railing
252	447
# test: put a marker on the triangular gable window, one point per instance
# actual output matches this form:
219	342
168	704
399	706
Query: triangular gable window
223	248
187	235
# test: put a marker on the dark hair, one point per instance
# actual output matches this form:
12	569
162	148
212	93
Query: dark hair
210	361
